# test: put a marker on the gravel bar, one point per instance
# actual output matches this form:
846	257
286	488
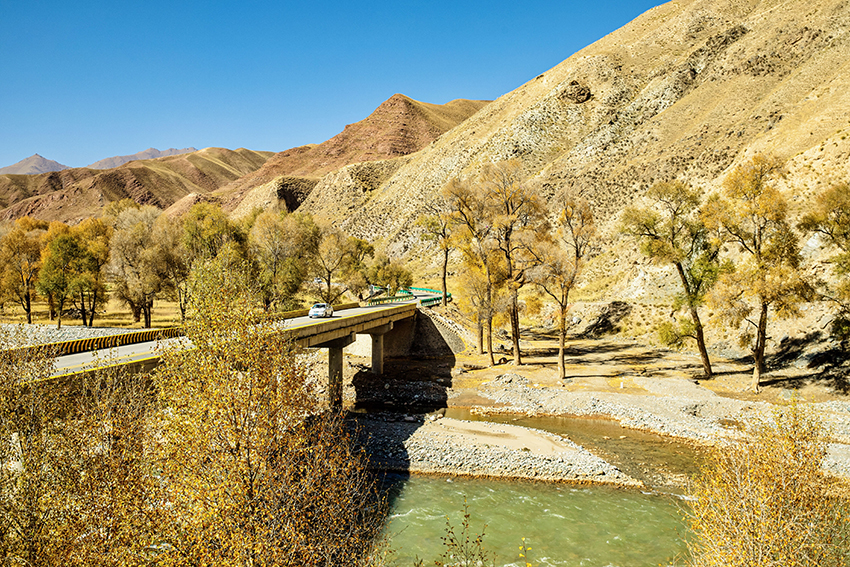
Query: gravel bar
434	445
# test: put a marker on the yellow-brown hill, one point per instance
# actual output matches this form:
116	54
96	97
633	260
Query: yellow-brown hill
73	194
687	90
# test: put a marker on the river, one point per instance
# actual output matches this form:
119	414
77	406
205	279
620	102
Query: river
565	525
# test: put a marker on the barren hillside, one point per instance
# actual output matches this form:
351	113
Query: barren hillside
398	127
686	90
74	194
33	165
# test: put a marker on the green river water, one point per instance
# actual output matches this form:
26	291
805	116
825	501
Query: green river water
565	525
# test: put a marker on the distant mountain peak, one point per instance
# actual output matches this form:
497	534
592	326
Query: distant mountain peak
33	165
150	153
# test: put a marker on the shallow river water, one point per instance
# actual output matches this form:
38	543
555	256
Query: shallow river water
565	525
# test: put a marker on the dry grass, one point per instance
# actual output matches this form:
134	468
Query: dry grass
116	314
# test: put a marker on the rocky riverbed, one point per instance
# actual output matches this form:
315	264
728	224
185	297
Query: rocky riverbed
436	445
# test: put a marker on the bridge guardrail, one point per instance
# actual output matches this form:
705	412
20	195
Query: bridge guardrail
393	299
432	300
134	337
106	341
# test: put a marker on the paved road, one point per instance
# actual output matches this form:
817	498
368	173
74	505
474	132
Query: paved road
73	363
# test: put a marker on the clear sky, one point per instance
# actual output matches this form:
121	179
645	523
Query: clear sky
82	81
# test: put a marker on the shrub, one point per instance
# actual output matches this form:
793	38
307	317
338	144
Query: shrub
765	501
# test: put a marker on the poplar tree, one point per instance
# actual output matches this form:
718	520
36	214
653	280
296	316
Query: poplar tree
670	232
516	214
437	228
20	262
559	258
830	218
752	215
470	214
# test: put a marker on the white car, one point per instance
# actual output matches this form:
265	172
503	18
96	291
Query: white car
321	310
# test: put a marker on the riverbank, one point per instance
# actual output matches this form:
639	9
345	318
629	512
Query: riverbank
432	444
640	388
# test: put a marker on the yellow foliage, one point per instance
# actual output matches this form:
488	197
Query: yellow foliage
766	502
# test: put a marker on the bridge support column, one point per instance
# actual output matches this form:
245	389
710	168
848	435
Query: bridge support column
377	335
335	369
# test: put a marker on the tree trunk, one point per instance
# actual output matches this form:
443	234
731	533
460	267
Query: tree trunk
28	308
490	339
137	312
51	307
480	325
515	327
562	339
703	352
445	269
83	307
92	308
758	352
700	336
147	311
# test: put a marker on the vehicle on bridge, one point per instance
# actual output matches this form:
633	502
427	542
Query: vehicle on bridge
321	310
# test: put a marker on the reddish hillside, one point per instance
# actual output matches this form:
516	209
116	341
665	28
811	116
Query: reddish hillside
399	126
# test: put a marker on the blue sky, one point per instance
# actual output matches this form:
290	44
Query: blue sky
82	81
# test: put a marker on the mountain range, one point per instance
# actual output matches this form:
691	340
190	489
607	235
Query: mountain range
32	165
687	90
150	153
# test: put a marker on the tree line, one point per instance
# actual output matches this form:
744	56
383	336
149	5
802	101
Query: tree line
736	251
139	255
222	456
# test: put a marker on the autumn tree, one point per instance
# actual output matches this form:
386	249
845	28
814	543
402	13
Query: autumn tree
765	500
89	285
75	488
62	262
107	473
391	274
175	260
670	232
207	230
830	218
29	496
283	244
752	216
558	259
136	264
339	263
516	213
20	261
436	228
470	213
255	472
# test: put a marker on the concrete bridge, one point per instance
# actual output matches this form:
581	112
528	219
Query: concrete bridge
340	331
334	333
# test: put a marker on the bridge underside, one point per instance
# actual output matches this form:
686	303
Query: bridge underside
337	335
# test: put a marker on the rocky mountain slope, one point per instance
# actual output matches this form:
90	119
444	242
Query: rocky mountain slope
74	194
33	165
398	127
687	90
150	153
